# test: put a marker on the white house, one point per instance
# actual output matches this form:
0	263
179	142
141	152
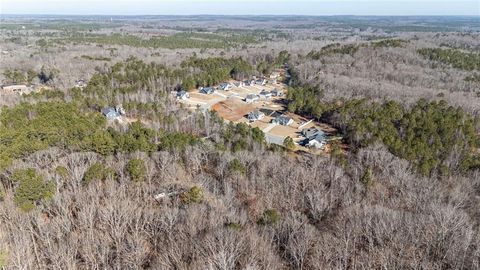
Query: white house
318	142
225	86
183	95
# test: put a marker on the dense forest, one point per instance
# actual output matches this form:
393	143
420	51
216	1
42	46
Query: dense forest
171	187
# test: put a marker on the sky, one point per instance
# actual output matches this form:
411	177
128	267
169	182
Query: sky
245	7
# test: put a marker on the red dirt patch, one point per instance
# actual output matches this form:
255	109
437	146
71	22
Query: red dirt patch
232	109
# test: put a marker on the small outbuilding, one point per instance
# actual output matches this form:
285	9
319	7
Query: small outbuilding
19	89
80	83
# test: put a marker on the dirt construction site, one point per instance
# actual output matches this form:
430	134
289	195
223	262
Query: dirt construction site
232	106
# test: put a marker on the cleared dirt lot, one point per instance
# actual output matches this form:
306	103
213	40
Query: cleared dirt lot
233	109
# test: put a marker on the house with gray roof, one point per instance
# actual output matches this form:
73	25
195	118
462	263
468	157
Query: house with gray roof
261	82
207	90
249	82
282	120
111	113
225	86
255	115
251	98
265	94
183	95
239	84
314	137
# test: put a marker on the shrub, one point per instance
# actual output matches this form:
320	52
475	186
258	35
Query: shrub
3	259
367	178
97	172
269	217
31	189
240	145
2	193
288	143
236	166
258	135
194	195
233	225
137	170
62	172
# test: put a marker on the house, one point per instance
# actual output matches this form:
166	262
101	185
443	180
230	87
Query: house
261	82
80	83
251	98
225	86
255	115
249	82
277	93
16	89
310	132
314	137
265	94
183	95
318	141
239	84
283	120
112	113
207	90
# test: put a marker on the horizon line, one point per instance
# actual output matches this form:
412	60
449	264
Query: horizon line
246	15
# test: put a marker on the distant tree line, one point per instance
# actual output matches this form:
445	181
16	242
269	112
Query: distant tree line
176	41
455	58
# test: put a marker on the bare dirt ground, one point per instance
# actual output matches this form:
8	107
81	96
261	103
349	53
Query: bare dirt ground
285	131
201	97
232	109
259	124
